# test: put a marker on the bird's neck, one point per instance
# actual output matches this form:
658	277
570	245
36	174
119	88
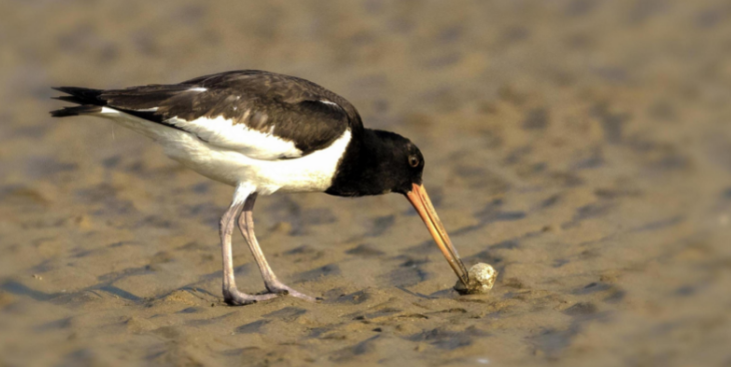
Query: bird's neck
361	170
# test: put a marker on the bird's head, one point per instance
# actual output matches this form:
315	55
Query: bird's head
399	162
388	162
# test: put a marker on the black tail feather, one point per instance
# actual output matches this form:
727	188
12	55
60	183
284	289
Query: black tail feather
82	95
89	99
76	110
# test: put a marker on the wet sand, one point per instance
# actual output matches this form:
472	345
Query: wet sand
583	148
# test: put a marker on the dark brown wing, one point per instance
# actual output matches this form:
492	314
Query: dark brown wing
289	108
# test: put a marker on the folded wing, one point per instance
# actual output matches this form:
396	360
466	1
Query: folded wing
262	115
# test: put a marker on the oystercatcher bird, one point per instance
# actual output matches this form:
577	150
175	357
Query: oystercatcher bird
262	133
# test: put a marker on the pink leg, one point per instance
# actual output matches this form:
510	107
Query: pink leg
246	225
231	294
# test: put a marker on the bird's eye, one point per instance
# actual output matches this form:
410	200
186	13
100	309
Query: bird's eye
413	161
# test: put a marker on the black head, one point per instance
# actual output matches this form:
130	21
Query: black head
378	162
401	162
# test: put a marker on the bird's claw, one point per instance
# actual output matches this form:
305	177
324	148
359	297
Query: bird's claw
236	298
279	288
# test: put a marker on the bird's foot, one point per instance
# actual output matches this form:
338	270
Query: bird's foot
236	298
280	288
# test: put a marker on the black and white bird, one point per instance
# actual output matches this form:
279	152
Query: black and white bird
262	133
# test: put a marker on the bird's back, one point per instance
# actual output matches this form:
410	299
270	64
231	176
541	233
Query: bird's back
219	122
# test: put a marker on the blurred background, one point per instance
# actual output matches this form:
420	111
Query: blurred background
582	147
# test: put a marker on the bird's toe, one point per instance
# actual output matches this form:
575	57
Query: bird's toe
236	298
284	289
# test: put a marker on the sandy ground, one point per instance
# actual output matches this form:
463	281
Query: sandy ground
581	147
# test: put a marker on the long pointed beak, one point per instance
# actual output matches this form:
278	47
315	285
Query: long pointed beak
421	202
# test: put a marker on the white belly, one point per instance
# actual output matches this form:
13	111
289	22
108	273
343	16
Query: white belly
311	173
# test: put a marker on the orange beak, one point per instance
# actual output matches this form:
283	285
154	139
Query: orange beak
421	202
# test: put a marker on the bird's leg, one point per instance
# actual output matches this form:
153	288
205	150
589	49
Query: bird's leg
231	294
246	225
